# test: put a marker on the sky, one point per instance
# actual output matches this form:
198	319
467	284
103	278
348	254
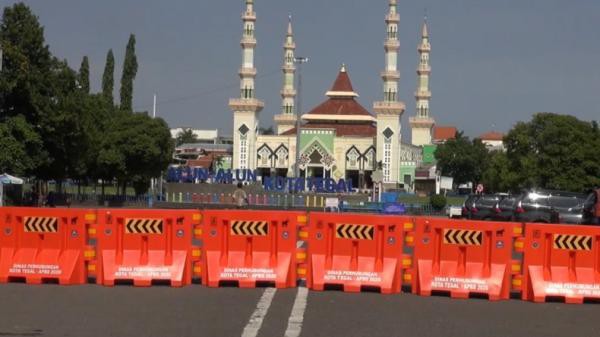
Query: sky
494	63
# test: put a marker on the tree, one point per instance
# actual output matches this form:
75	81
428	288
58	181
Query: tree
135	149
462	159
25	81
130	68
187	136
84	75
20	146
554	151
108	78
267	131
498	177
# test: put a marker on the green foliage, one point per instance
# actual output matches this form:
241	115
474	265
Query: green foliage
438	201
108	78
462	159
556	152
498	176
84	75
136	147
20	146
266	131
51	127
25	83
186	136
130	68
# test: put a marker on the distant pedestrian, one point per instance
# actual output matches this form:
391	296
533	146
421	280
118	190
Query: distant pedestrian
240	197
51	200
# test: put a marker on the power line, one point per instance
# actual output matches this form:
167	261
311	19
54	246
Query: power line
203	93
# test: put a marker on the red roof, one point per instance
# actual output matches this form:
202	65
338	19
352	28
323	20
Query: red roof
341	130
443	133
204	162
341	105
492	135
342	82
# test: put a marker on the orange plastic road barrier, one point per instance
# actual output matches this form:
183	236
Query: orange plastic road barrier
356	251
146	246
561	262
464	258
251	247
44	245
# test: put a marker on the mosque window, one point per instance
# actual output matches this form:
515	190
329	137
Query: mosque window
264	155
282	156
387	159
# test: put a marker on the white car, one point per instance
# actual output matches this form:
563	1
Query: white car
454	212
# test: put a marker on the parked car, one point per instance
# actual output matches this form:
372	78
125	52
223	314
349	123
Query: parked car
504	210
468	204
547	206
591	208
454	212
484	207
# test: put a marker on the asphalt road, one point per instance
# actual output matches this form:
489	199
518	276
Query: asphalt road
80	311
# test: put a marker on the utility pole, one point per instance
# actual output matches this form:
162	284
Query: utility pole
299	61
154	107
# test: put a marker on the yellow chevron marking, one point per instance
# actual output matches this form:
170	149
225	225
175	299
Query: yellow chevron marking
572	242
143	226
249	228
40	225
463	237
354	232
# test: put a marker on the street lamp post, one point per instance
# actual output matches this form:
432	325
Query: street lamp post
299	61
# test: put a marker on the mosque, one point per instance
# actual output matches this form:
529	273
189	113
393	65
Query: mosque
339	138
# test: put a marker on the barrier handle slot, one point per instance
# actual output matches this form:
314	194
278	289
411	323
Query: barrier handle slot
596	255
354	256
330	237
572	265
437	247
274	243
548	245
65	234
120	229
144	251
462	261
487	259
169	243
248	255
380	243
224	241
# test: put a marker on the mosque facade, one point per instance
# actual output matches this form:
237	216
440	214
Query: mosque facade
339	138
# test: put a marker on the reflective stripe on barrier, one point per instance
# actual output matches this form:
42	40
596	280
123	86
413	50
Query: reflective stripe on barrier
464	258
145	246
247	247
355	251
561	261
39	245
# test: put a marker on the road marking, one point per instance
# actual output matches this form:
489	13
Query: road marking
256	320
297	316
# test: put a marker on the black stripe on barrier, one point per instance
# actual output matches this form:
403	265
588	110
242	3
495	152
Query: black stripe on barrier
354	232
250	228
144	226
40	225
572	242
463	237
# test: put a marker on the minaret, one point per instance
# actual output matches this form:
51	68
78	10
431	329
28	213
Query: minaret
287	119
390	110
422	124
247	107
